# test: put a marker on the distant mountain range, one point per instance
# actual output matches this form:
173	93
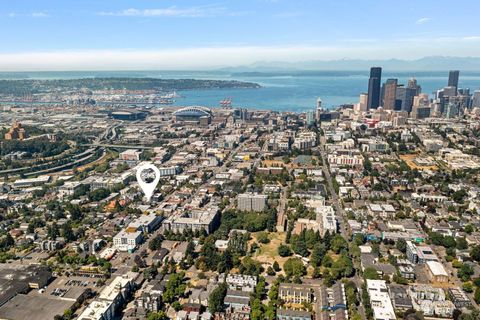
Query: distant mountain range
433	63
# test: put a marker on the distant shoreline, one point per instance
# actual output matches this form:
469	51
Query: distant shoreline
161	74
19	86
295	91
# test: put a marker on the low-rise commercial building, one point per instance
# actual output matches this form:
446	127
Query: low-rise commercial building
145	223
130	155
31	182
436	271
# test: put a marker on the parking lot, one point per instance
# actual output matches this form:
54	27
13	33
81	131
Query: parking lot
69	287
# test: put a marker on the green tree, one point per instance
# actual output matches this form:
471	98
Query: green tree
401	245
53	231
371	273
299	245
68	314
150	273
467	287
99	194
157	316
459	195
215	300
476	296
262	237
250	266
155	243
435	238
318	253
6	242
284	250
67	232
270	271
338	243
465	272
475	253
276	266
177	305
175	288
359	239
462	244
343	267
473	315
75	211
327	261
294	267
469	228
449	242
209	253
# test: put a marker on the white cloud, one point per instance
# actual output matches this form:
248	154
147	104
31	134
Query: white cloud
39	15
438	40
423	20
36	14
471	38
222	56
191	12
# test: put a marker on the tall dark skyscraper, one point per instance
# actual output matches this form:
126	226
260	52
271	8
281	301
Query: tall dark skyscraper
404	98
453	78
374	82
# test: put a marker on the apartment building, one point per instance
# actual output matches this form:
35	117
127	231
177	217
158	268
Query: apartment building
295	293
420	254
251	202
380	300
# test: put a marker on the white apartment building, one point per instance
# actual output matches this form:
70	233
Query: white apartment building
240	282
168	171
69	188
109	300
251	202
327	219
350	160
127	241
305	140
380	300
146	223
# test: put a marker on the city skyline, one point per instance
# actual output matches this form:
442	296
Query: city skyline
239	160
205	34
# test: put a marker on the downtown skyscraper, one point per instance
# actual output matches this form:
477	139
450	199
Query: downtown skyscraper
390	94
374	88
453	78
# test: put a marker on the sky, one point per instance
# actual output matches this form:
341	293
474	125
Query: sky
201	34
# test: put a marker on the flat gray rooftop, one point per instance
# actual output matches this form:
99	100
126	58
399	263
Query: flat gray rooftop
33	307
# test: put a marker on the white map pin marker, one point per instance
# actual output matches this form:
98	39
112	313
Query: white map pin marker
148	176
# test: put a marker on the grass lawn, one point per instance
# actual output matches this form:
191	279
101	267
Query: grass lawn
268	253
